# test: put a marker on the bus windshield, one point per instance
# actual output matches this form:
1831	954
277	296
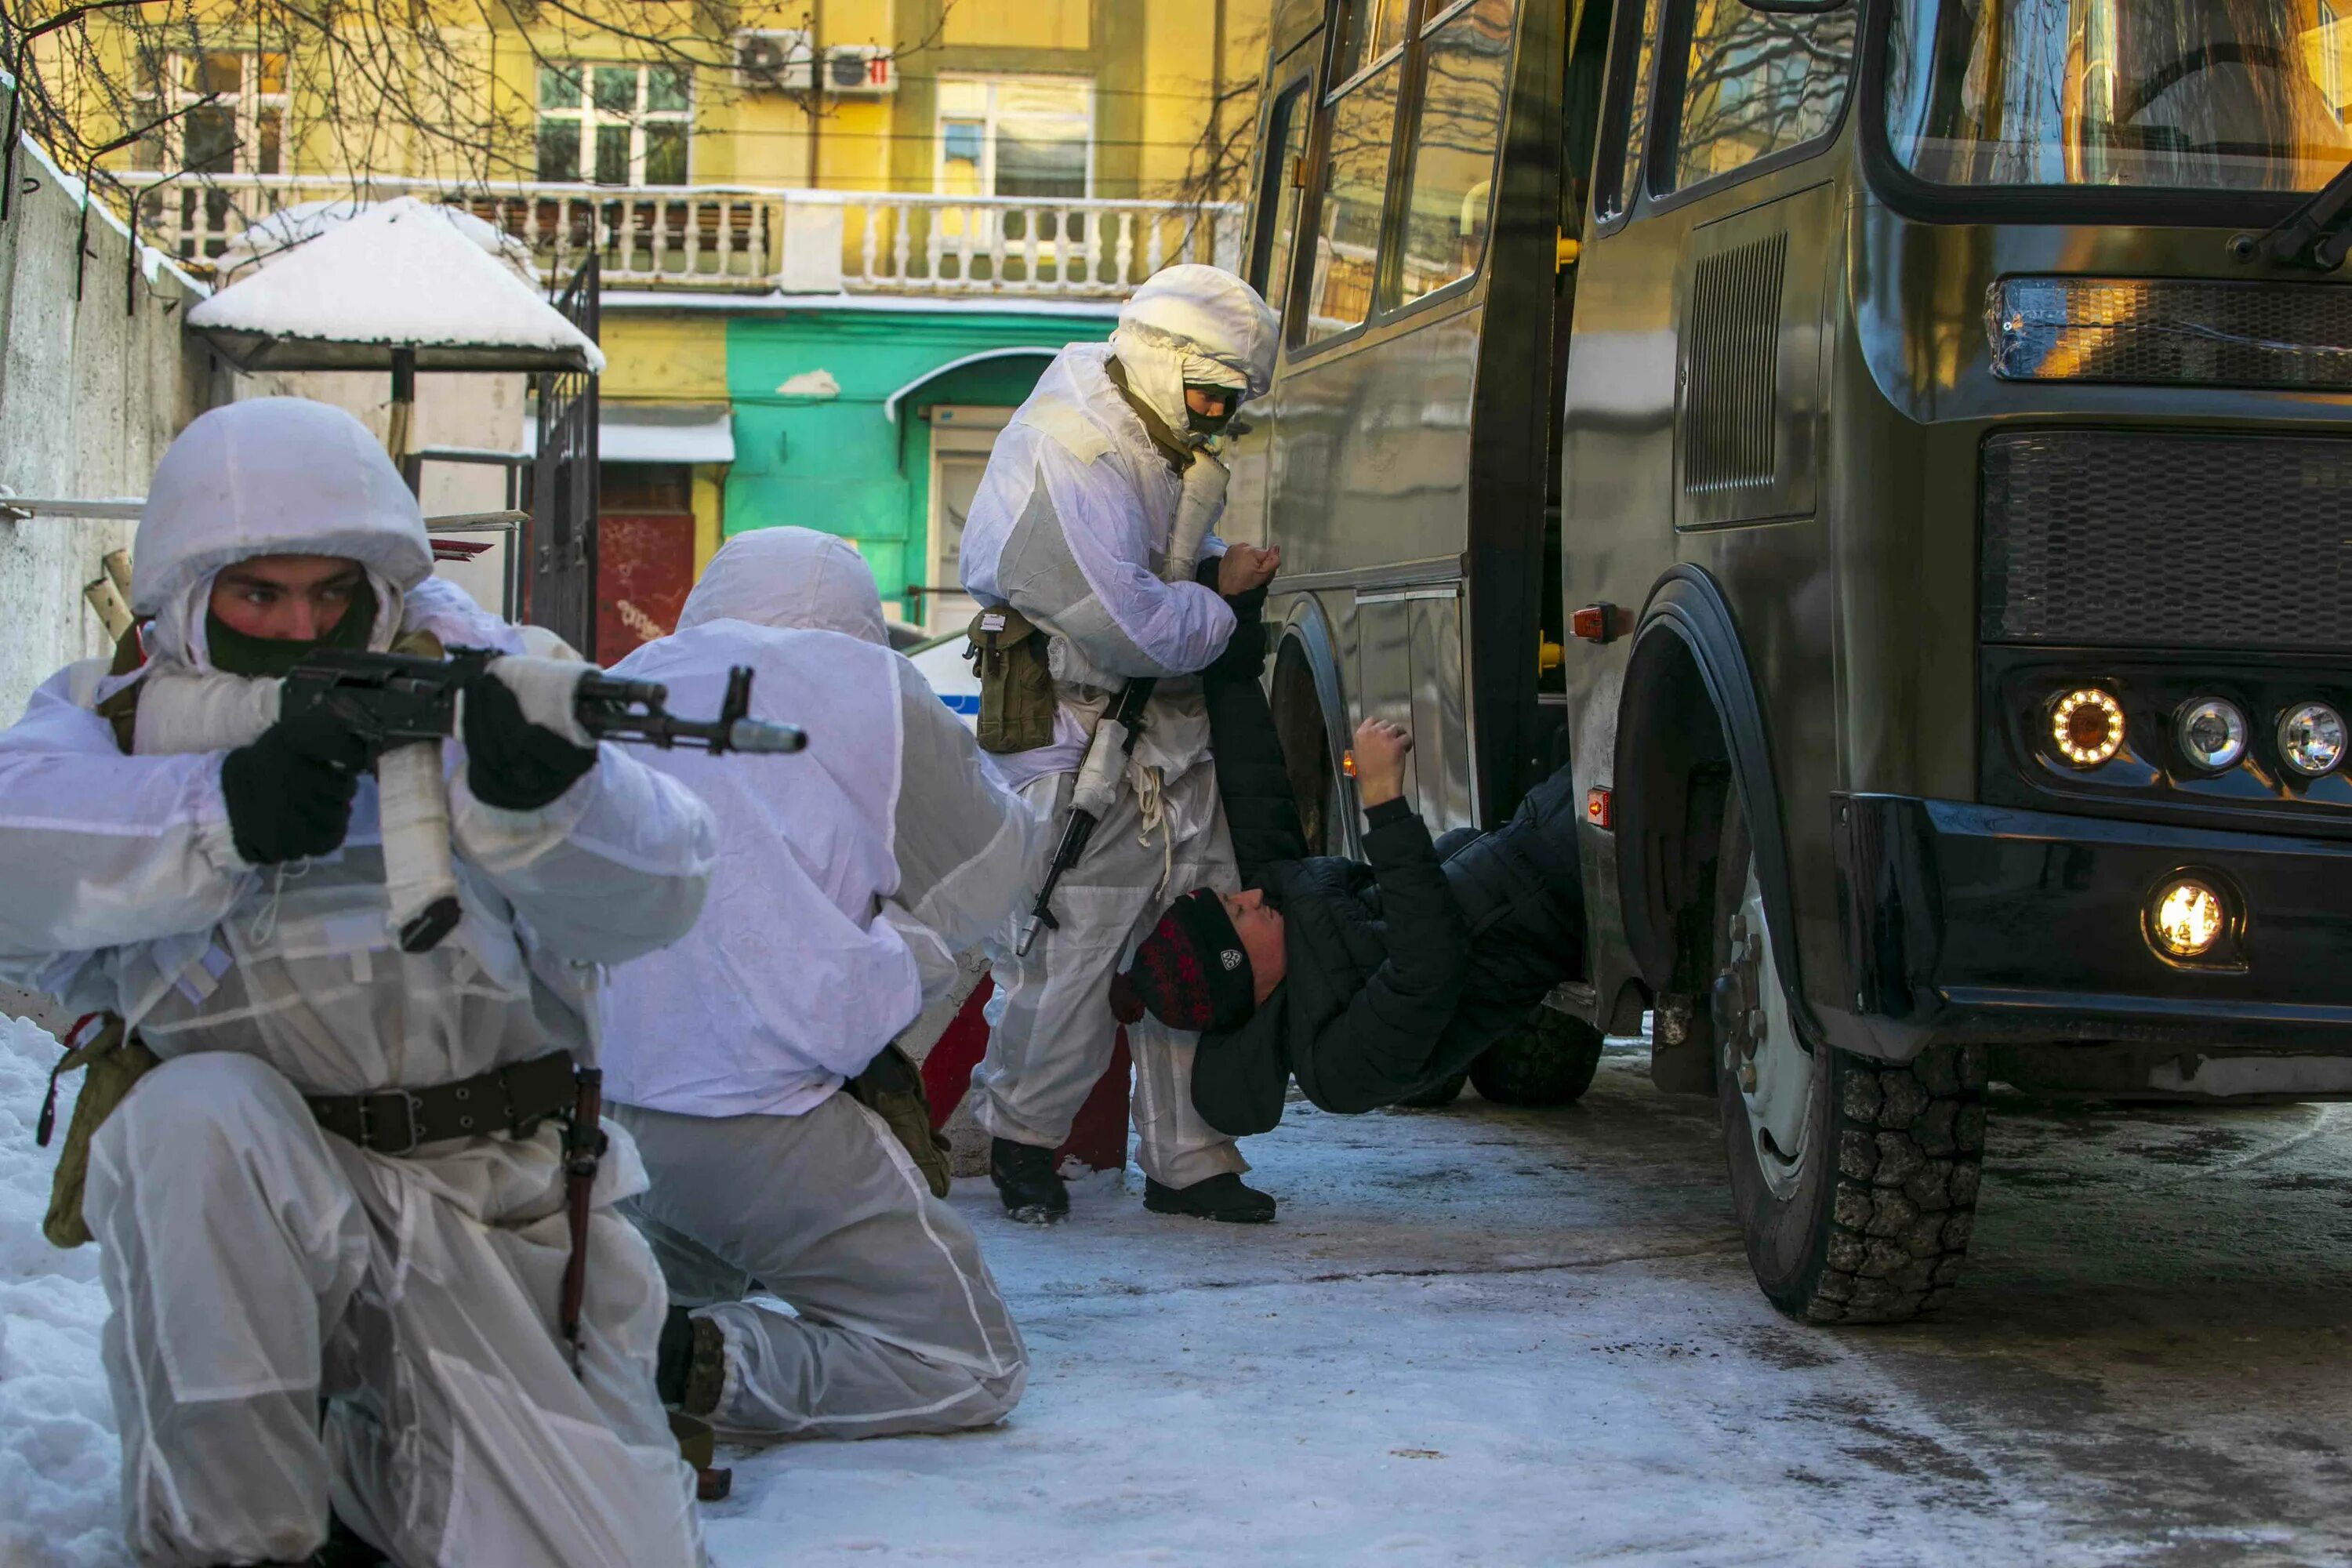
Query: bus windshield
2227	95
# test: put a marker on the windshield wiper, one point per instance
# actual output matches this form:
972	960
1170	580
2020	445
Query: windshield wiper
2316	234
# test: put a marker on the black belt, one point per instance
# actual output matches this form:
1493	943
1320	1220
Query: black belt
512	1099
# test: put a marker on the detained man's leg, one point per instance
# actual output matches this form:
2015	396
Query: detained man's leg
466	1436
1181	1153
899	1326
1051	1033
230	1245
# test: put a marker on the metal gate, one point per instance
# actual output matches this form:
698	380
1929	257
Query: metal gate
560	549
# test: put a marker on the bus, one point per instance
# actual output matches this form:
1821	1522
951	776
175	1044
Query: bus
1894	454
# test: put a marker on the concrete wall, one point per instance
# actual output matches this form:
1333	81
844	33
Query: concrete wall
91	391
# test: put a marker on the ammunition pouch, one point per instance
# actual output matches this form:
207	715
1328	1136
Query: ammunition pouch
1016	687
891	1086
114	1061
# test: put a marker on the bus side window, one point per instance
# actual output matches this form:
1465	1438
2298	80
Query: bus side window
1361	128
1279	189
1756	83
1617	169
1449	181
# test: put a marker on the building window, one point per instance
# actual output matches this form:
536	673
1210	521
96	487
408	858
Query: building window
614	125
1016	136
241	131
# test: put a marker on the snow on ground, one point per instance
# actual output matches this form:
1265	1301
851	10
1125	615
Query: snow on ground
58	1456
1491	1337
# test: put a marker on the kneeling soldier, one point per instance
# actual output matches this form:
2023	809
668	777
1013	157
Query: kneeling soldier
332	1221
847	879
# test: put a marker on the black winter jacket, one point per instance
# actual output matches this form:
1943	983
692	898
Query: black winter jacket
1401	970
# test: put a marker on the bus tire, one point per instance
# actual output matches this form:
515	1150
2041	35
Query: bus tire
1855	1182
1438	1095
1547	1061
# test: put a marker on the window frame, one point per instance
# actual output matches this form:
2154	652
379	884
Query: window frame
987	130
1617	140
589	118
1412	56
1294	97
1673	68
171	95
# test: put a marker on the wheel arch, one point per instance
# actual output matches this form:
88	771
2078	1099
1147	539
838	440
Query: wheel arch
1688	665
1306	629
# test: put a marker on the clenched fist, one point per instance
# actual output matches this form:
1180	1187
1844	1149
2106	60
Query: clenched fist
1245	566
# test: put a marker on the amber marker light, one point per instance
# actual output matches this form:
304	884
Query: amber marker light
2186	919
2086	725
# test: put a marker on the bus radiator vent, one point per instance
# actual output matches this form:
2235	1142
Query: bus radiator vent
1733	336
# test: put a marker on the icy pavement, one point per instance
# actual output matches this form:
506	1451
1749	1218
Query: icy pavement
1493	1337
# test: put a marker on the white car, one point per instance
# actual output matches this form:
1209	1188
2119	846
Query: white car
941	659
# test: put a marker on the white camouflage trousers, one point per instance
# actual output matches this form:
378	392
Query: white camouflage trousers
257	1266
1051	1033
897	1325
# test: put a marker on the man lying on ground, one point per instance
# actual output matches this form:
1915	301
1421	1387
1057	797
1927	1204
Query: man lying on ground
847	878
1367	982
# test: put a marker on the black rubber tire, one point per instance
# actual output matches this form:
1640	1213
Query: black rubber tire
1877	1225
1438	1095
1547	1061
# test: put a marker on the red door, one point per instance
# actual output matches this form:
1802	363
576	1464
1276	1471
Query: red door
645	568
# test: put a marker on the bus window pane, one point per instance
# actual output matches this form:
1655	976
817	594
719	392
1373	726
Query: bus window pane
1759	83
1348	235
1279	193
1449	185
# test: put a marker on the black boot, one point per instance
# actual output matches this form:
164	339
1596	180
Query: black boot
1220	1197
1026	1179
690	1366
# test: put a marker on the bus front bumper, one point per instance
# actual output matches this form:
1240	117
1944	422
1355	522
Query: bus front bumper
1978	921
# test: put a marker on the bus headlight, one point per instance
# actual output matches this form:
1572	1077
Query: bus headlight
2086	725
2211	731
2186	919
2311	739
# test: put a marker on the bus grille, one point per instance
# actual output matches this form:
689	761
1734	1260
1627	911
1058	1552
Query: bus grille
2112	539
2171	331
1735	358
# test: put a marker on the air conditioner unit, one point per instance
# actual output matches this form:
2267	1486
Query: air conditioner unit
771	59
859	70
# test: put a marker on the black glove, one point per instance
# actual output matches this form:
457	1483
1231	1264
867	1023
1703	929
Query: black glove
289	792
511	763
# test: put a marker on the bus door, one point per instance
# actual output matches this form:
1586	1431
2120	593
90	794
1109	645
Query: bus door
1276	197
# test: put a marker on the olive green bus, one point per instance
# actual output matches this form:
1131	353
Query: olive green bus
1895	453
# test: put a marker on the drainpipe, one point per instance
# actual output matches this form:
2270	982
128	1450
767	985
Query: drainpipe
816	87
1217	108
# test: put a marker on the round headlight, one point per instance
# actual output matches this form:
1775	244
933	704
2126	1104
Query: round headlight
2311	739
2211	731
2187	918
2086	726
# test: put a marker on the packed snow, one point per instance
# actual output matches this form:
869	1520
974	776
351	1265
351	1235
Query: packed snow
302	222
403	272
1488	1336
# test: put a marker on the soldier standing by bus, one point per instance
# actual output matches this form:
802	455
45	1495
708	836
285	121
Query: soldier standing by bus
1105	466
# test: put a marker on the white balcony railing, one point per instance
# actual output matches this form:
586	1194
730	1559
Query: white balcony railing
753	239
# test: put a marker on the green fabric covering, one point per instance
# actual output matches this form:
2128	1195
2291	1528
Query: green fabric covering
234	653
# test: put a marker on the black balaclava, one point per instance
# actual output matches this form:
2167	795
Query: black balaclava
235	653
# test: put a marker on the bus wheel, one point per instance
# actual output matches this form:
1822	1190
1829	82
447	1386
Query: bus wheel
1547	1061
1854	1182
1438	1095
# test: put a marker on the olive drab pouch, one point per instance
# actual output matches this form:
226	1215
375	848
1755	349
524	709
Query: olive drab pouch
114	1061
1016	688
891	1086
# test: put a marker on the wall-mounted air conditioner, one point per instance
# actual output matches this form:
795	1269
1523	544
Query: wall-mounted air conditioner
777	61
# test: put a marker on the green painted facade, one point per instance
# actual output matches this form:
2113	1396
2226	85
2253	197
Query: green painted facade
832	461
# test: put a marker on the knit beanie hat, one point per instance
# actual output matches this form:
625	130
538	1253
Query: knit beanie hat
1191	972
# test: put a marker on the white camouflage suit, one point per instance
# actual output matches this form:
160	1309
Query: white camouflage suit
1071	526
255	1266
848	877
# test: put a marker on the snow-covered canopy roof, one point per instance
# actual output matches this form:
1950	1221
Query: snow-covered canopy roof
402	274
290	226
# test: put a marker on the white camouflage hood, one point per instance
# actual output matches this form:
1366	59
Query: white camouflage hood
274	475
1195	323
789	578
